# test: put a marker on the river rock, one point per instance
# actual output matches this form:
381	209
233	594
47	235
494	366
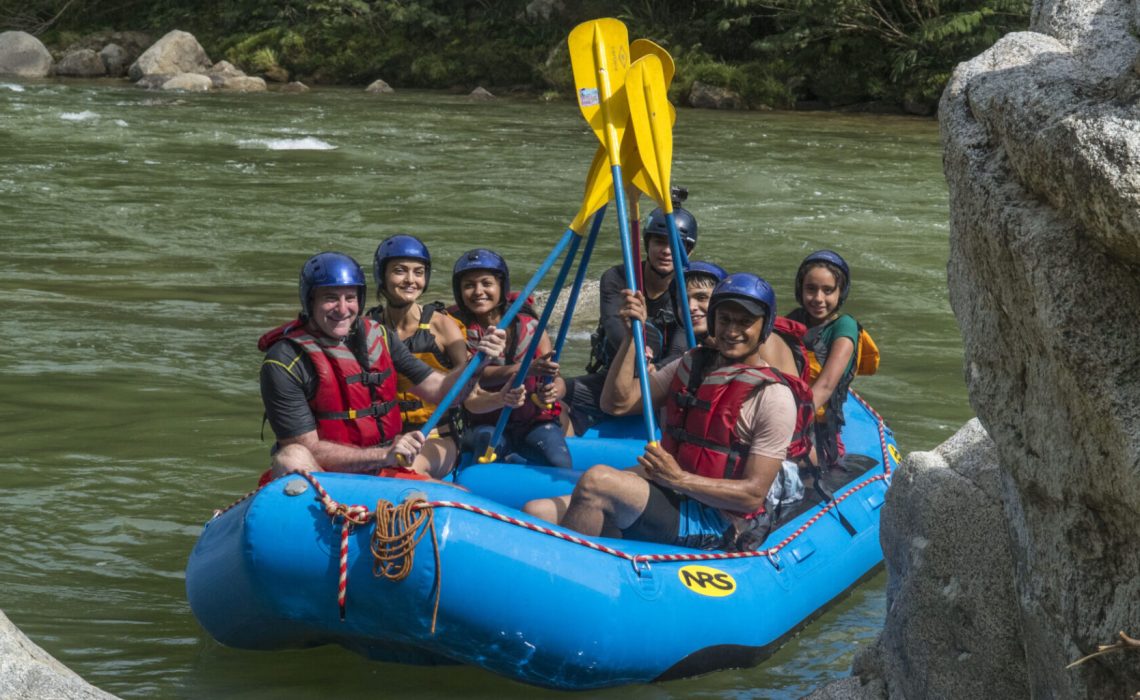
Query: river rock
82	63
27	671
379	87
295	86
952	628
153	82
481	94
115	60
704	96
1041	140
244	83
189	82
1042	154
23	56
222	71
176	52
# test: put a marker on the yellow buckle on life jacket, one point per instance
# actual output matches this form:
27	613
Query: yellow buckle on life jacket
352	414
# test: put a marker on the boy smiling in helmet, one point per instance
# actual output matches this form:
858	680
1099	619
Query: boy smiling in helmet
328	382
729	420
700	280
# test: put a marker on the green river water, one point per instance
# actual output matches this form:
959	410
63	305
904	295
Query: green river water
149	239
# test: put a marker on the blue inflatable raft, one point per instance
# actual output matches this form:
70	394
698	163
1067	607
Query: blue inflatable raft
443	575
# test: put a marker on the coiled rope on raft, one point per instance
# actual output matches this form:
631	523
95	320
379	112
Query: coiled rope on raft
398	531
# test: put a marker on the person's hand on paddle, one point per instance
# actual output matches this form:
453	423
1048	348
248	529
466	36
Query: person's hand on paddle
547	394
632	307
405	448
544	366
494	343
512	397
660	466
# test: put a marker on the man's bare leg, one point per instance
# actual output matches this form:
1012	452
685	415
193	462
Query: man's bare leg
606	501
437	458
549	509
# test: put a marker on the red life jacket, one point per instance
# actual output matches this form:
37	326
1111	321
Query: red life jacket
792	333
523	329
352	406
704	405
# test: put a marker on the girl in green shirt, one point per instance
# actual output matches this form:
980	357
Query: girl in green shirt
822	283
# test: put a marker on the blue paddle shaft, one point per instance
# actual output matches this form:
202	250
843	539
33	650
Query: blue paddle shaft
579	280
680	264
479	358
631	283
532	348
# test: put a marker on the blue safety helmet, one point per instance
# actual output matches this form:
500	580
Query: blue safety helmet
330	269
657	225
481	259
831	259
700	268
400	245
751	292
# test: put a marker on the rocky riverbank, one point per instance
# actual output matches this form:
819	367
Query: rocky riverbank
176	61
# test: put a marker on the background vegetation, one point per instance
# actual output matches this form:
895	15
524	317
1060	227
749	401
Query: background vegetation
778	53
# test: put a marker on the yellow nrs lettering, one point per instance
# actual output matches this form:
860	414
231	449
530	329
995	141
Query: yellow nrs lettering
707	581
895	453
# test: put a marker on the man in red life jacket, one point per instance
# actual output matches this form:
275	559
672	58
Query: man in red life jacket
328	382
729	421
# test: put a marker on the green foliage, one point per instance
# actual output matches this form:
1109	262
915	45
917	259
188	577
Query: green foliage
759	83
898	50
772	52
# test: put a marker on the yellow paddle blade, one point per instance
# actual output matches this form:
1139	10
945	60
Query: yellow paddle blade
599	191
634	173
652	127
644	47
599	56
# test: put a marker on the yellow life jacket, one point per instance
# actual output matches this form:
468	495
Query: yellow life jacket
422	344
866	363
866	354
866	357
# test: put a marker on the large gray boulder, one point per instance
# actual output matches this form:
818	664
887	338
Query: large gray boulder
1042	154
23	56
29	672
1041	137
952	628
176	52
81	63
